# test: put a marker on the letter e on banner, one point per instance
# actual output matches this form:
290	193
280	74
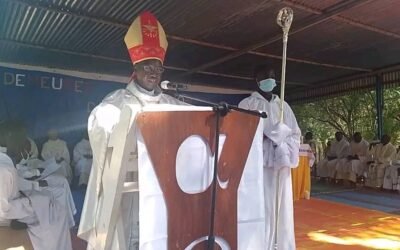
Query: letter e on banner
18	80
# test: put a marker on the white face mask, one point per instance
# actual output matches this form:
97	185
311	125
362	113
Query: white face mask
3	150
267	85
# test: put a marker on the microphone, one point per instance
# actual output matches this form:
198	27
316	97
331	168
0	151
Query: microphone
167	85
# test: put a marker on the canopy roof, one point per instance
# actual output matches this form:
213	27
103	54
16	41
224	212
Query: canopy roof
334	46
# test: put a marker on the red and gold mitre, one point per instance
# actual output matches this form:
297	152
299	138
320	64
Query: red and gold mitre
146	39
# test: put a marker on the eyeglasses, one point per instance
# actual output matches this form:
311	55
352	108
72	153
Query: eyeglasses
152	69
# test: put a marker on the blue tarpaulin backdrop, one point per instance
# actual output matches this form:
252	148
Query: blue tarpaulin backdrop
45	100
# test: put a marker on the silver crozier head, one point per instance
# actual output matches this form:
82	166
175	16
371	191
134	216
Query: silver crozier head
285	18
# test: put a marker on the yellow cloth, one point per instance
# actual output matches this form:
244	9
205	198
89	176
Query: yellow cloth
301	179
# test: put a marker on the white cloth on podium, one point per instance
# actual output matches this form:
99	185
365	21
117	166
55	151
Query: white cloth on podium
251	213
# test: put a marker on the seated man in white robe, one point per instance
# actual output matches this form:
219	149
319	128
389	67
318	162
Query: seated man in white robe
57	149
383	154
34	174
38	212
49	181
283	140
391	178
354	166
338	150
83	159
142	90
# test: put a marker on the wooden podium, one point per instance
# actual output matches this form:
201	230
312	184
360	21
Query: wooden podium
188	215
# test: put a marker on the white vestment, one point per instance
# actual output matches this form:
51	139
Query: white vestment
47	221
101	124
391	178
57	185
281	153
58	149
82	164
383	155
350	169
339	150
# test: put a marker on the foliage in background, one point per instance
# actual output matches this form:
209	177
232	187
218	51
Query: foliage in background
351	113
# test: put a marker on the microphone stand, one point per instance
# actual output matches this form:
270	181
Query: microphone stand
227	107
220	109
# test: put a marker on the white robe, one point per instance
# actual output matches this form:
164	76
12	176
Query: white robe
340	150
58	149
82	165
46	219
350	169
280	156
101	123
57	185
383	155
391	178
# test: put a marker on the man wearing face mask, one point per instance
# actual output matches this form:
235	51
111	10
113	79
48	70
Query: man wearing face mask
147	45
281	153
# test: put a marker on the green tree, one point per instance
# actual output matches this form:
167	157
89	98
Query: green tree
351	113
391	113
347	114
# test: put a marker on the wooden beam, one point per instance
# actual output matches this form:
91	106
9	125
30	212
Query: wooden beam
113	59
310	22
88	17
268	55
341	18
344	79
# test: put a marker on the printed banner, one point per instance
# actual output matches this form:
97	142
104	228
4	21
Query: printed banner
45	100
